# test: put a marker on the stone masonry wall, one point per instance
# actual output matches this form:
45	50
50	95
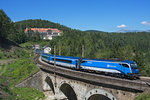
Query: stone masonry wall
33	81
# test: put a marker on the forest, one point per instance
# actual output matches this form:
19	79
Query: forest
97	44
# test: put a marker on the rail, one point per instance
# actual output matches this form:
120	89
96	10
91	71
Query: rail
96	79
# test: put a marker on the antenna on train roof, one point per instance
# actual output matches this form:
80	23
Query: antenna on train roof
82	51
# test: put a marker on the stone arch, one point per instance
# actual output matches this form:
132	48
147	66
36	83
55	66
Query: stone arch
50	83
68	91
99	94
98	97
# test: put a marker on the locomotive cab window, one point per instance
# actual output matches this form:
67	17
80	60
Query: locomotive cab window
83	61
134	66
125	65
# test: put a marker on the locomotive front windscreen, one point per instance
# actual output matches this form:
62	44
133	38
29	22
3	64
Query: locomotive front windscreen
134	66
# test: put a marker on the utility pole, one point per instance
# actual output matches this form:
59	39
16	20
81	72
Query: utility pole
59	50
55	65
82	51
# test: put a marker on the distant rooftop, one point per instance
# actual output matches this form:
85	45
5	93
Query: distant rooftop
42	30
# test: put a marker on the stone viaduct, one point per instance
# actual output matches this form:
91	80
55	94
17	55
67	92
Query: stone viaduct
67	84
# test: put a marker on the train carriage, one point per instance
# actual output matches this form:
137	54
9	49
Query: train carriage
66	61
125	68
45	57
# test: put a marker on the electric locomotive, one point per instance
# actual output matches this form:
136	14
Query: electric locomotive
123	68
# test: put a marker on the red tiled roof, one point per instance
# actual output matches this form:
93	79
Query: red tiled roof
41	29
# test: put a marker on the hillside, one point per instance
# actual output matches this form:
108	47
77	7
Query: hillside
9	49
129	46
38	23
93	31
126	31
8	44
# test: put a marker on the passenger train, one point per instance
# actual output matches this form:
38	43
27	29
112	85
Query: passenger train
120	68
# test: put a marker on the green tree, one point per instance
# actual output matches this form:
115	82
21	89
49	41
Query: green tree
5	25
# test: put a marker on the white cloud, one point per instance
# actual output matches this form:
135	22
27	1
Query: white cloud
145	23
121	26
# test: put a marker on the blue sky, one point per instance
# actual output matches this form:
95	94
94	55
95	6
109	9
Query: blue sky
104	15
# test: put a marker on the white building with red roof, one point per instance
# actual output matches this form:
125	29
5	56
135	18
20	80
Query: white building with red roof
45	33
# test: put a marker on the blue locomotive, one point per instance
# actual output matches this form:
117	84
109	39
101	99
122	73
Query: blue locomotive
121	68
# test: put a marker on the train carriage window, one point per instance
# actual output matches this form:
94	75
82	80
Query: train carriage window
125	65
63	60
44	57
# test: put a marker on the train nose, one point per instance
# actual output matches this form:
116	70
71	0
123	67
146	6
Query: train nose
136	71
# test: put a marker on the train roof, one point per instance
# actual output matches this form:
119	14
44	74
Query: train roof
101	59
62	56
104	59
46	54
68	57
129	61
112	60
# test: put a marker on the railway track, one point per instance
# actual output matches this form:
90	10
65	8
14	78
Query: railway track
97	79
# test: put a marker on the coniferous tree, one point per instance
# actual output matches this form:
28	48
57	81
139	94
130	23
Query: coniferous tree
5	25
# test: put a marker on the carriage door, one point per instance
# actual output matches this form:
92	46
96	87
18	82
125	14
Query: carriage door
125	68
122	68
